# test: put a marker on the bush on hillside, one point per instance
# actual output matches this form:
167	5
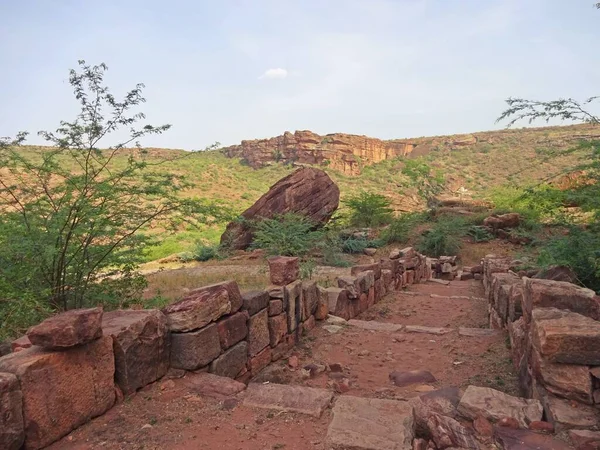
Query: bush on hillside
289	234
444	238
369	210
403	228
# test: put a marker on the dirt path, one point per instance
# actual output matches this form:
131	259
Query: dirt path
170	415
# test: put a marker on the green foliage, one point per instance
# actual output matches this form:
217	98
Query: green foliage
287	235
578	250
480	234
307	268
427	181
204	252
71	212
403	228
369	210
444	238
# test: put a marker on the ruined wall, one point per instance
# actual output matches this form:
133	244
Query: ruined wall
343	152
554	330
90	359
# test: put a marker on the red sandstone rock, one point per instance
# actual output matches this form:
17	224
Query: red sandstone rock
307	191
260	361
230	363
283	269
447	432
254	301
510	422
203	306
503	221
20	344
310	299
375	267
258	332
232	329
585	439
510	439
483	426
12	433
213	386
77	385
322	304
275	307
67	329
141	345
277	329
293	304
195	349
544	427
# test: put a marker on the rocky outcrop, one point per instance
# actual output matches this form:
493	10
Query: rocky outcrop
307	191
343	152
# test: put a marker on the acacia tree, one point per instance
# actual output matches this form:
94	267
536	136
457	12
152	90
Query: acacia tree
78	208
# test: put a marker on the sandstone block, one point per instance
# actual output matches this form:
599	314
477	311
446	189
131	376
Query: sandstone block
585	439
258	332
275	307
211	385
322	304
288	398
370	423
277	329
517	332
68	329
495	405
78	385
351	285
141	344
202	306
375	267
511	439
254	301
566	337
379	289
561	295
515	302
309	324
20	344
566	415
230	363
339	303
310	299
12	432
410	277
260	361
195	349
232	329
286	344
293	297
283	269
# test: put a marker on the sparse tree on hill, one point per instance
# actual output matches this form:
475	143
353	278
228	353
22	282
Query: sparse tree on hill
72	211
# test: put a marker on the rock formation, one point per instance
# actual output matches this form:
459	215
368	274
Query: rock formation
343	152
307	191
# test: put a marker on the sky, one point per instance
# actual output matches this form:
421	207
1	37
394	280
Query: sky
227	70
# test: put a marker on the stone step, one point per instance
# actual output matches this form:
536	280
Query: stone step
386	327
371	424
288	398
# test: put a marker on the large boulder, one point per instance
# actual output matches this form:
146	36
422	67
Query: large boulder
141	345
62	389
12	433
307	191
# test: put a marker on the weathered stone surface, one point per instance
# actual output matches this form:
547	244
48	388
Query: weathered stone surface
447	432
283	269
5	348
307	191
20	344
566	414
230	363
260	361
277	329
67	329
407	378
195	349
211	385
501	286
310	299
494	405
254	301
477	332
570	381
203	305
232	329
379	289
515	302
375	267
426	330
517	332
283	348
351	285
288	398
293	304
345	153
511	439
566	337
277	292
77	385
258	332
585	439
502	221
141	344
275	307
322	304
339	302
12	432
371	424
561	295
375	326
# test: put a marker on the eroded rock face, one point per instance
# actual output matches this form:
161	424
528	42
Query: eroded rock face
12	433
68	329
307	191
342	152
78	385
141	345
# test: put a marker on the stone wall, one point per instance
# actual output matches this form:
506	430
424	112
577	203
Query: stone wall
554	331
76	365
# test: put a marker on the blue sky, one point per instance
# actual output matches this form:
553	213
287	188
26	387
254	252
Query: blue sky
227	70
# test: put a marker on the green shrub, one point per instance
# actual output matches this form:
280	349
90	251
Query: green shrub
578	250
480	234
369	210
205	252
444	238
403	228
287	235
307	269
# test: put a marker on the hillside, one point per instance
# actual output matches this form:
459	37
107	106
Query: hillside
476	162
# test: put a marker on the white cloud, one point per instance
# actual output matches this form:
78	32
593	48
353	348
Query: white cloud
278	73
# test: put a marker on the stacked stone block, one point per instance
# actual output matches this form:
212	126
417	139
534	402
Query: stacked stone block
554	330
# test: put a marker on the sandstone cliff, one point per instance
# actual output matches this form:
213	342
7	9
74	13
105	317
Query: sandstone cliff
346	153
